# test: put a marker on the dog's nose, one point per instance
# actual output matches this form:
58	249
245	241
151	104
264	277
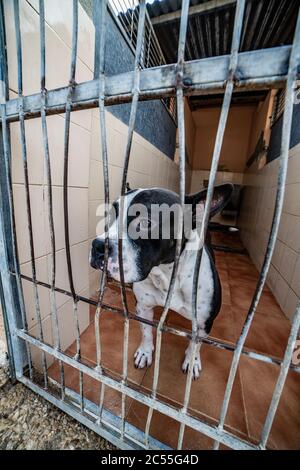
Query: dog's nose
98	247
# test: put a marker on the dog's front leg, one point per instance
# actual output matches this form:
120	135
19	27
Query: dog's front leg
143	354
188	359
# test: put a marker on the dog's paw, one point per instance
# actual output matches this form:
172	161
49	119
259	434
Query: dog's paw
142	358
197	366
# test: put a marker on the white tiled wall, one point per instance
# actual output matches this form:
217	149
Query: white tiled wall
58	17
256	218
148	166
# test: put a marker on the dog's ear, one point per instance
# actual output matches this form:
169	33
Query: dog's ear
221	197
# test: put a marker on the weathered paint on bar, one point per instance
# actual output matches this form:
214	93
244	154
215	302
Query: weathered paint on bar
263	68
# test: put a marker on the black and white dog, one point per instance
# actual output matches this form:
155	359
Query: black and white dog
148	252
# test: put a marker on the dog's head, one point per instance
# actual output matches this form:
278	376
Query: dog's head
150	229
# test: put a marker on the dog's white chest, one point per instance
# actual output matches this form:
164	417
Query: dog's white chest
153	290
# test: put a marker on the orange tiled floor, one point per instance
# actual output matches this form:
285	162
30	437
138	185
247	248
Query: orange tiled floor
255	380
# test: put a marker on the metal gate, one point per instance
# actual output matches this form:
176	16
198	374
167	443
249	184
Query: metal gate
256	69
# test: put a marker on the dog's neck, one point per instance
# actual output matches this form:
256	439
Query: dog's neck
160	275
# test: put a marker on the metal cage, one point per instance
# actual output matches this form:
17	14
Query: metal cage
255	69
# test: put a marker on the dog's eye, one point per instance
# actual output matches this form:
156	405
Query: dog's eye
144	224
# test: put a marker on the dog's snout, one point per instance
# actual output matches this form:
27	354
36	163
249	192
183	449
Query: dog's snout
97	253
98	247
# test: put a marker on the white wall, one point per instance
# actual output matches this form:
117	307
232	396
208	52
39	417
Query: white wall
58	52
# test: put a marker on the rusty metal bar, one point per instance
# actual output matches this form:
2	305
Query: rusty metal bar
17	304
181	133
26	184
121	228
55	326
68	108
282	173
182	79
168	329
266	69
211	431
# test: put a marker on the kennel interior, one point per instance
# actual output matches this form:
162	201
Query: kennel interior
61	344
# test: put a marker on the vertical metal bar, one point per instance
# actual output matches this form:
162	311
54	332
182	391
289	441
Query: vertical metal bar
282	172
133	111
26	183
132	22
55	326
8	334
96	20
181	132
13	291
16	297
101	403
72	85
238	23
100	12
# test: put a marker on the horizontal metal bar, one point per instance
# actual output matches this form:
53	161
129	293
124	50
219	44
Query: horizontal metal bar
113	421
206	7
90	417
262	68
78	415
224	437
168	329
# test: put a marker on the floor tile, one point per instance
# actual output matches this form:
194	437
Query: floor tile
268	334
255	380
258	381
207	392
112	297
166	429
112	334
91	388
223	326
241	297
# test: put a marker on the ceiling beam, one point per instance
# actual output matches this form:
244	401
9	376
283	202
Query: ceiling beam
193	10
